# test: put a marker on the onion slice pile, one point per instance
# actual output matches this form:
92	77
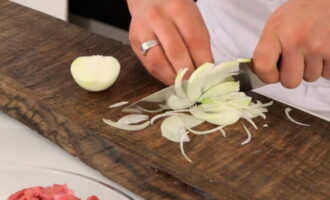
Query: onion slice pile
210	95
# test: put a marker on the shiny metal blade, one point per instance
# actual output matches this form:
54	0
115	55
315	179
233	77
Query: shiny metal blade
248	80
153	102
156	101
243	76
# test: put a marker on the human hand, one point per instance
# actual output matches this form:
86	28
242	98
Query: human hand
299	31
180	30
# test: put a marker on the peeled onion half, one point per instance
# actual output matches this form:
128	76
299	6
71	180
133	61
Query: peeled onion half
95	73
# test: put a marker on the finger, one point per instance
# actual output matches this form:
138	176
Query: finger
172	43
313	68
158	65
155	60
291	69
326	69
195	35
265	57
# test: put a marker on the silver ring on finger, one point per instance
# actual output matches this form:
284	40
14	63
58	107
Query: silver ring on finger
147	45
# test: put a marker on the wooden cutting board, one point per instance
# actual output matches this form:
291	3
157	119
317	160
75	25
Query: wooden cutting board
283	161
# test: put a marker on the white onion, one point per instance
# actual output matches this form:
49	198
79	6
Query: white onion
178	83
223	132
132	110
115	105
149	110
287	113
248	139
173	128
133	119
251	122
182	148
219	128
95	73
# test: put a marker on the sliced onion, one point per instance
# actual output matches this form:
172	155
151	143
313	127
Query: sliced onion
178	83
173	128
262	115
221	89
133	119
190	121
179	111
149	110
248	134
255	109
251	122
196	80
219	128
132	110
222	118
244	60
231	96
287	113
219	73
223	132
176	103
258	104
182	148
126	126
154	118
115	105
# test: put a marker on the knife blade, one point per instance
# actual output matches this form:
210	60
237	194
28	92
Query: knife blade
248	81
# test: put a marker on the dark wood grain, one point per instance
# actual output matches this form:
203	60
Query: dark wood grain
283	161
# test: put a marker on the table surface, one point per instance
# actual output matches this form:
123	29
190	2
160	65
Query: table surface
17	141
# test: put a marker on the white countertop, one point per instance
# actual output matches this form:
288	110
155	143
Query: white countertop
17	141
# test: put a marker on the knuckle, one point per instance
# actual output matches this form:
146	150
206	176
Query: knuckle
294	38
153	13
316	47
175	5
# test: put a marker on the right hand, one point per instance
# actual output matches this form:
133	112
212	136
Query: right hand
181	31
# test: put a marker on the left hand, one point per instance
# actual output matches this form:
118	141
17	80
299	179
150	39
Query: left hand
299	31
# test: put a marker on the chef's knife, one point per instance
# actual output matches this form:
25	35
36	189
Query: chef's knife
153	101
